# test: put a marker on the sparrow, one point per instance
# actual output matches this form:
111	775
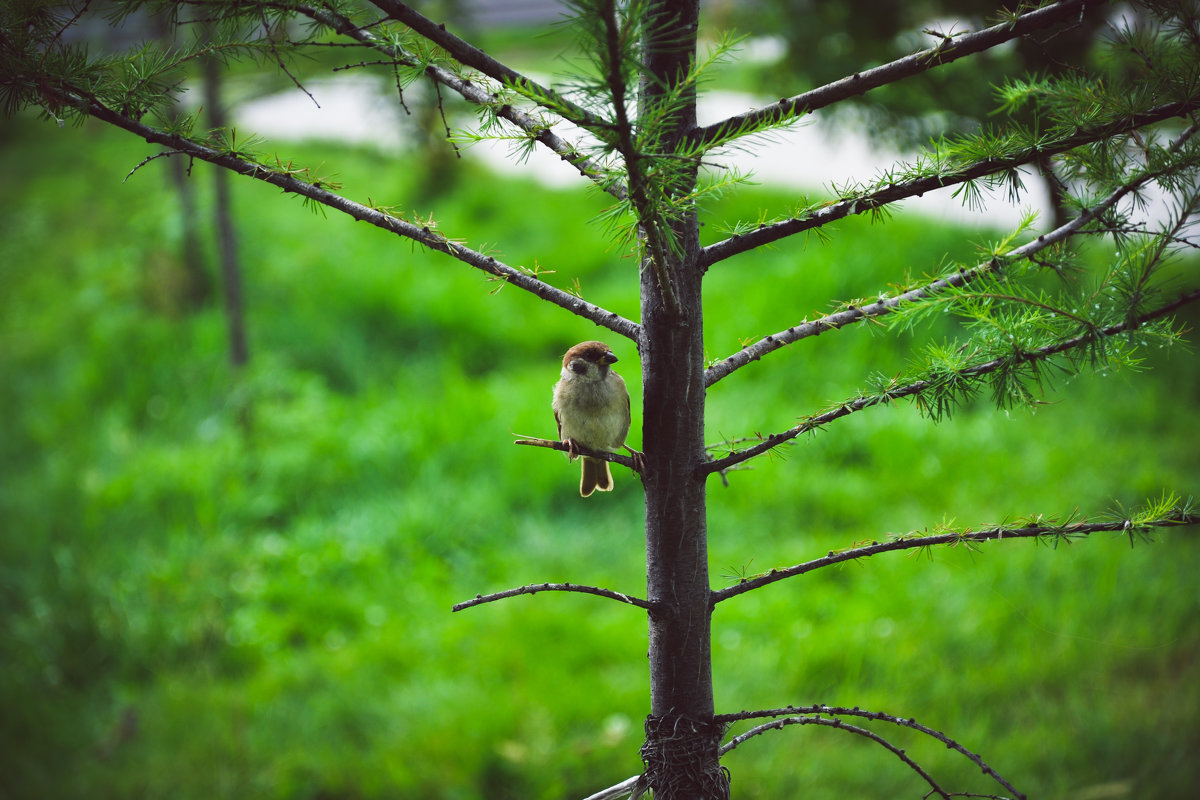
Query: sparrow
591	408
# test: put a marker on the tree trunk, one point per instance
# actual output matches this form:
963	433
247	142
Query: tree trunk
681	746
231	271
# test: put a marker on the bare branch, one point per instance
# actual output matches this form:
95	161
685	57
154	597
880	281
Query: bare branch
874	715
475	93
1067	531
894	192
917	387
600	455
534	588
886	305
421	234
949	49
780	724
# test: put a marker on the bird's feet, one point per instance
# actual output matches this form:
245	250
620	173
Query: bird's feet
639	460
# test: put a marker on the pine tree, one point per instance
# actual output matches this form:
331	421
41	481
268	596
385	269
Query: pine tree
1032	306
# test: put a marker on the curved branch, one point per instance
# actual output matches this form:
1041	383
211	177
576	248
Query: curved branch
917	387
894	192
1068	531
534	588
780	724
599	455
886	305
421	234
874	715
474	92
861	82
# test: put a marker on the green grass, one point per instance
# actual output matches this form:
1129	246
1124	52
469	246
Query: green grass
229	585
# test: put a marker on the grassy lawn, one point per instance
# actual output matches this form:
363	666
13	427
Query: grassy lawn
239	585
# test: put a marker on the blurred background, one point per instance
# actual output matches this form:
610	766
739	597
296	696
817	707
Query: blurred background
222	580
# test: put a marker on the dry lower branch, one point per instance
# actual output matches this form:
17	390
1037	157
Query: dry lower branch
895	192
956	538
841	711
421	234
916	388
859	83
534	588
886	305
780	724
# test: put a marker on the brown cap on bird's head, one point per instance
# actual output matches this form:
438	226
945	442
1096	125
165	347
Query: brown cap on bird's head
596	352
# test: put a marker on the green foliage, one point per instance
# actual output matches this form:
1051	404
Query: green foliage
218	585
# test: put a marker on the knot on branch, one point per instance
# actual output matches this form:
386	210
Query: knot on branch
681	755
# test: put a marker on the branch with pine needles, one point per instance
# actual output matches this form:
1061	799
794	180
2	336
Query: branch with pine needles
840	711
1165	513
886	305
917	388
422	234
886	192
947	50
534	588
474	92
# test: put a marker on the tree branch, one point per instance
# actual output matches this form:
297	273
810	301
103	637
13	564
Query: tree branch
466	53
1068	531
873	715
886	305
894	192
780	724
600	455
421	234
534	588
861	82
917	387
470	91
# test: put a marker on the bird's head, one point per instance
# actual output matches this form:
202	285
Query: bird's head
588	360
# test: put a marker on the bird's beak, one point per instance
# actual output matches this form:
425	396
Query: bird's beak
609	358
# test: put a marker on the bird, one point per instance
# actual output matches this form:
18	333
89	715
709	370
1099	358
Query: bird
591	409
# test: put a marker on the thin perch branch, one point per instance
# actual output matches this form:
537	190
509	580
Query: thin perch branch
912	542
601	455
917	387
534	588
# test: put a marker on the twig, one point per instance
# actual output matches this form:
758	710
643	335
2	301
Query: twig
917	387
600	455
534	588
874	715
913	542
